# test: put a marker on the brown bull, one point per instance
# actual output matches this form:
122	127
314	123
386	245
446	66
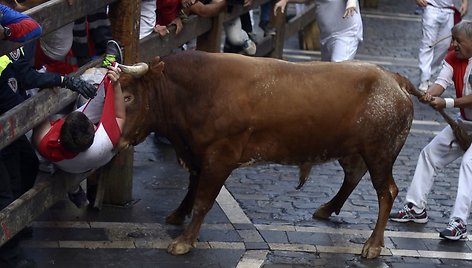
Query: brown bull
222	111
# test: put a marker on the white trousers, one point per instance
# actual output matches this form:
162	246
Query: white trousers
436	155
234	32
436	24
339	48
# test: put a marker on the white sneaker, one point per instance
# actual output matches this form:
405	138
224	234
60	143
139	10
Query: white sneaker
249	47
424	85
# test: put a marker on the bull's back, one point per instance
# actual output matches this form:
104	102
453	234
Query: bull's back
310	108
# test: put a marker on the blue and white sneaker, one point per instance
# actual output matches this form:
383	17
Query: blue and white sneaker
455	230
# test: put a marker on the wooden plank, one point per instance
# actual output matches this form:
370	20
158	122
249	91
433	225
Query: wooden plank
299	22
45	193
153	45
31	112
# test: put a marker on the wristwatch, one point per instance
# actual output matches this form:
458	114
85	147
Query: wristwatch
6	33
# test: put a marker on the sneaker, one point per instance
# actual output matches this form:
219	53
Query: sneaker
407	213
249	47
455	230
424	85
79	198
113	53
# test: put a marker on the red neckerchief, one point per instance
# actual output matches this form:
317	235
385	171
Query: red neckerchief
50	145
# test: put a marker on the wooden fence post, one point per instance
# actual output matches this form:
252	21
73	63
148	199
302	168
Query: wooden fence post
116	178
211	40
279	22
309	37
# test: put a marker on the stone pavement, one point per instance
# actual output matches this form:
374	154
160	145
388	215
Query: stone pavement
260	220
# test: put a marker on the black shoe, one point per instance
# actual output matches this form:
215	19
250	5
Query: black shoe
264	25
91	193
79	198
113	53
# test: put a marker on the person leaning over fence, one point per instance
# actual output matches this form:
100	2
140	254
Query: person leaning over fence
84	139
444	149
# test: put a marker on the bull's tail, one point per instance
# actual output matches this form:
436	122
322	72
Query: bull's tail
406	85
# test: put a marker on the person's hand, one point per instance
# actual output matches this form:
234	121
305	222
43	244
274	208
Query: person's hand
187	3
280	5
161	30
113	74
349	12
438	103
426	98
178	25
422	3
80	86
247	3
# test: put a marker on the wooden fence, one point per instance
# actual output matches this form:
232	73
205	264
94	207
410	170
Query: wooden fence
124	15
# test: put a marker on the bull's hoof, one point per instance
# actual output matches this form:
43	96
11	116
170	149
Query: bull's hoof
371	252
175	218
323	212
179	248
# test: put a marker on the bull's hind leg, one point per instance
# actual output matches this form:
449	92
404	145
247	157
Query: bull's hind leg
177	217
354	168
209	185
380	171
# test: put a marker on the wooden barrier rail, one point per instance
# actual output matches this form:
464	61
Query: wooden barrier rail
124	15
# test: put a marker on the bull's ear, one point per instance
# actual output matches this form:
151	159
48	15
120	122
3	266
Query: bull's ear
157	67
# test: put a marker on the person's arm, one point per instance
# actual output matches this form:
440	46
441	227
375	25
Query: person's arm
30	78
280	5
17	27
351	8
209	10
422	3
464	7
120	108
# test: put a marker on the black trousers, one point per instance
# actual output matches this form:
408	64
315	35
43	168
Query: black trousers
18	171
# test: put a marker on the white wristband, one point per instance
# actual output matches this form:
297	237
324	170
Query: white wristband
449	102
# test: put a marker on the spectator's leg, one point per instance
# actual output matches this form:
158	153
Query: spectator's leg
100	30
80	46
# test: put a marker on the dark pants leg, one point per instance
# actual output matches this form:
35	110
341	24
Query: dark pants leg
22	165
100	30
18	170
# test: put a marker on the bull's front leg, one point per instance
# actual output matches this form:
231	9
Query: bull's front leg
177	217
354	168
209	185
386	192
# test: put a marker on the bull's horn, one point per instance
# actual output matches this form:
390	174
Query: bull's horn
137	69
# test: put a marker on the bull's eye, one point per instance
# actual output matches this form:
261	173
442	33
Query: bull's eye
128	98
